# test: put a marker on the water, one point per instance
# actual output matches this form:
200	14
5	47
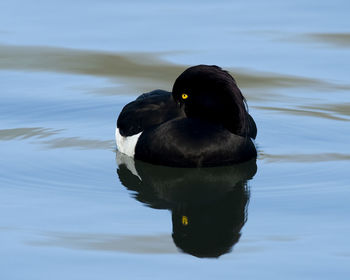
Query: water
68	211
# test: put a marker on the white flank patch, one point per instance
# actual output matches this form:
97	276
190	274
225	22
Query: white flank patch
126	145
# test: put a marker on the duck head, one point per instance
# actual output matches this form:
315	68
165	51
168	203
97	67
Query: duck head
211	94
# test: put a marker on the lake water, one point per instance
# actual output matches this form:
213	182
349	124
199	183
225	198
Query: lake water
68	211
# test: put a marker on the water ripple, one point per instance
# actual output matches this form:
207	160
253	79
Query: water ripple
140	71
26	132
77	142
329	112
321	157
334	39
135	244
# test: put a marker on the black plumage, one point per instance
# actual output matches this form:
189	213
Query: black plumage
203	122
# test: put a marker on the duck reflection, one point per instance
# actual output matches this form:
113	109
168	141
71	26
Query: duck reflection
208	205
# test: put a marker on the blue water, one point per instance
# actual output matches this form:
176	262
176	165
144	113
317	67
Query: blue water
68	211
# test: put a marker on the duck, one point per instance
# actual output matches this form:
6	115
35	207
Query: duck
203	122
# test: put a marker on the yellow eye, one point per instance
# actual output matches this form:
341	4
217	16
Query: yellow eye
184	220
184	96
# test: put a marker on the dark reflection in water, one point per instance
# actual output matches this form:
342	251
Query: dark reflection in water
208	205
